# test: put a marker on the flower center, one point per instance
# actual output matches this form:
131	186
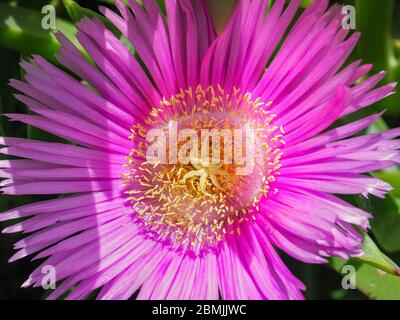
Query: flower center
200	164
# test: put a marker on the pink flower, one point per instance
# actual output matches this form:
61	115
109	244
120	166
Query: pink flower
195	231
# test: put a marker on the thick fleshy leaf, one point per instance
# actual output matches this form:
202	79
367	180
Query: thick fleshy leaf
76	12
377	276
21	30
373	282
374	257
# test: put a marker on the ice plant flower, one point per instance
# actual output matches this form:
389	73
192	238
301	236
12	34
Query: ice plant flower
195	230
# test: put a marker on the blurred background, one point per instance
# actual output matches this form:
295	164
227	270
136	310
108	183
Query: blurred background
21	34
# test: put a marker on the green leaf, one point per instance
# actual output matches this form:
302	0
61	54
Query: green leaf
393	178
373	282
37	4
374	257
375	21
306	3
76	12
21	30
377	276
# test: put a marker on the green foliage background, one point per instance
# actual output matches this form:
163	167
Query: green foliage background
378	276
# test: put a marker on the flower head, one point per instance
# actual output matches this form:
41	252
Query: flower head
204	217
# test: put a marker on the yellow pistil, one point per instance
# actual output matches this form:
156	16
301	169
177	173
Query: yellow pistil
205	171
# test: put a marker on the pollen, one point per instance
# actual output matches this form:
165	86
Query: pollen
197	203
